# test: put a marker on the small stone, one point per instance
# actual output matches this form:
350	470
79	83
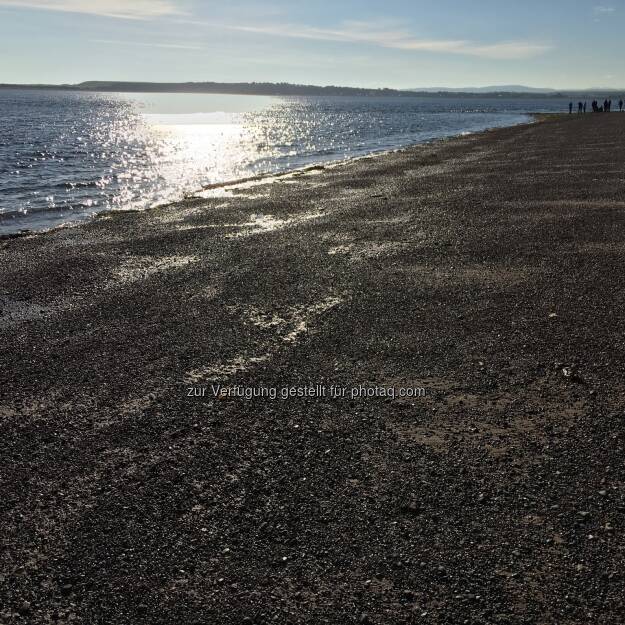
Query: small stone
413	507
66	589
584	514
364	619
603	493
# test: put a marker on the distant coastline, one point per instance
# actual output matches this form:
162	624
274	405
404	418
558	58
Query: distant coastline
288	89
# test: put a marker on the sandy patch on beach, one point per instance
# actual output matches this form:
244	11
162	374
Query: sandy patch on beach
259	224
219	371
141	268
288	327
369	250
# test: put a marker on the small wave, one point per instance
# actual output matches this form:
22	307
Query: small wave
25	213
91	184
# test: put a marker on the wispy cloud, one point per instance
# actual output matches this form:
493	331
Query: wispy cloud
400	39
146	44
602	12
124	9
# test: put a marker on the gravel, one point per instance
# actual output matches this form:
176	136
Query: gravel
496	498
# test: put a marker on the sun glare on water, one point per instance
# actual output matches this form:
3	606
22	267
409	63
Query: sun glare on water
200	153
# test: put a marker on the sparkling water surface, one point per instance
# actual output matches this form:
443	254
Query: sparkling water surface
65	156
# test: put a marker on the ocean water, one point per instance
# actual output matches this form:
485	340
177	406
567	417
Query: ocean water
66	156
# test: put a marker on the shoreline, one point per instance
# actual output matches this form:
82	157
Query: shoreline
485	271
269	177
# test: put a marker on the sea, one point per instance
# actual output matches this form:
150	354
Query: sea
66	156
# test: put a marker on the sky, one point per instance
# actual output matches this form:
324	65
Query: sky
362	43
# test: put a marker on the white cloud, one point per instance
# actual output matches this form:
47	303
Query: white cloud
362	32
124	9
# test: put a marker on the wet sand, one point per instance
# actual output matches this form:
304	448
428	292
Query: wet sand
486	270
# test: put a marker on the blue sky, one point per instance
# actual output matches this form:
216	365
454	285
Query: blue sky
395	43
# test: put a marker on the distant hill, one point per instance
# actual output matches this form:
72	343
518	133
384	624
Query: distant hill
521	91
491	89
288	89
252	88
244	88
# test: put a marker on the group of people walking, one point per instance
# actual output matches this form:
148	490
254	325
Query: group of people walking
606	107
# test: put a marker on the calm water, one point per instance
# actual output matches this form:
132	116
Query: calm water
65	156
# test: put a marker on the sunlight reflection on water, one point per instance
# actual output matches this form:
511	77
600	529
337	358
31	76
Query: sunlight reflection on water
65	156
204	153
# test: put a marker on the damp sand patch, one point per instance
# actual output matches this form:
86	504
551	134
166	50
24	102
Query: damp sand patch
13	311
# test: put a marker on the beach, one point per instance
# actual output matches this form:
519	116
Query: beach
386	391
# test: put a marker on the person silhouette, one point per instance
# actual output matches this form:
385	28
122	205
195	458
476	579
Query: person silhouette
580	107
570	107
620	105
584	107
